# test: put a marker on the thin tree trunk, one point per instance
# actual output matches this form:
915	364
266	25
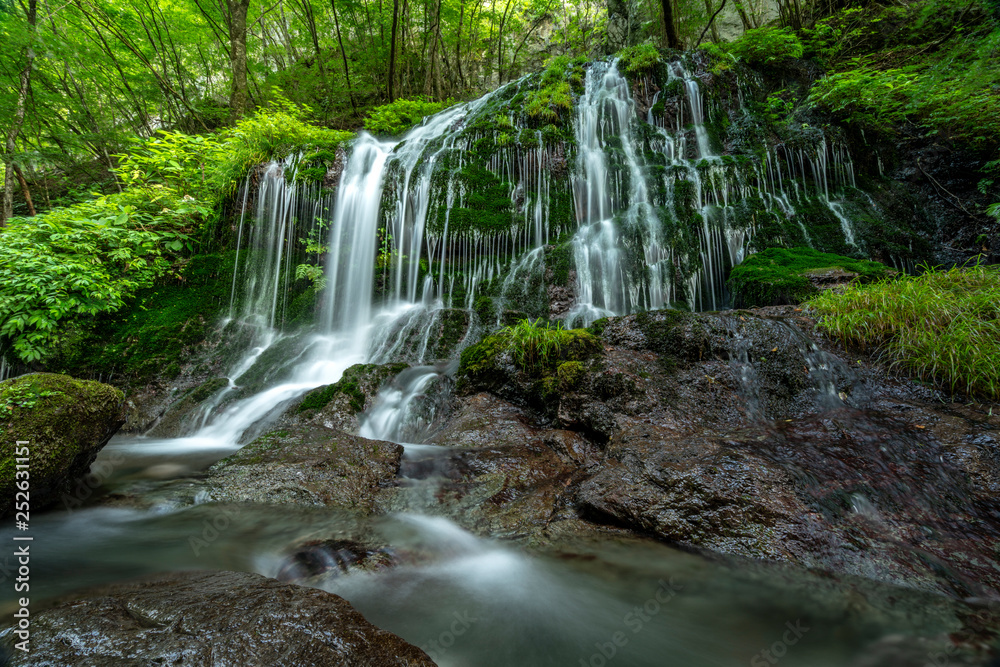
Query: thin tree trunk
10	145
673	41
343	55
458	44
392	48
24	188
711	24
239	97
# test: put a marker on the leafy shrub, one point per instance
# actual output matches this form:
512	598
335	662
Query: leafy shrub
942	326
779	276
766	46
83	260
638	58
92	257
951	91
399	116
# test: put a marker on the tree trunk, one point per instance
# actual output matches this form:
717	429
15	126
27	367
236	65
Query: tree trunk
673	41
343	55
24	189
711	21
747	25
10	145
711	24
239	97
392	48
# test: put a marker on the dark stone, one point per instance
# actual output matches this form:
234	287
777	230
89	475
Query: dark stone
307	464
211	618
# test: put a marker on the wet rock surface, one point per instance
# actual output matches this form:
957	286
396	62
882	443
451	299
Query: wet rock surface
339	405
250	620
307	464
743	433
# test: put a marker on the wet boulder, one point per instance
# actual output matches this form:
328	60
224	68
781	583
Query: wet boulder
307	464
339	405
212	618
64	422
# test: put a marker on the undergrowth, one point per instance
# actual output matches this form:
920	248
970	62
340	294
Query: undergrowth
942	326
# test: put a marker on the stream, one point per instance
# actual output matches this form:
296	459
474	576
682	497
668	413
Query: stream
467	599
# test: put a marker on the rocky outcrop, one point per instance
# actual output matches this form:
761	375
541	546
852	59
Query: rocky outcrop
743	433
212	618
308	464
63	423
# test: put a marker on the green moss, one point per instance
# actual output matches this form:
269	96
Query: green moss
206	389
570	373
351	384
552	101
559	260
313	166
534	347
677	336
778	276
64	420
154	331
638	58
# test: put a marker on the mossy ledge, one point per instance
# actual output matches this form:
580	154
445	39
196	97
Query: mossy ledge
65	422
779	276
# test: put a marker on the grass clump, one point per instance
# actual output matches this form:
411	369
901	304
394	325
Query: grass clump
536	347
638	58
782	275
942	326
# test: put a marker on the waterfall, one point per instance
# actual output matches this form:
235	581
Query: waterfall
604	208
656	213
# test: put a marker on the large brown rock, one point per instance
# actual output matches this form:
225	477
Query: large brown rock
220	619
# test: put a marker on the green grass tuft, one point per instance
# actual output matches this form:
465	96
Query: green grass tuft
942	326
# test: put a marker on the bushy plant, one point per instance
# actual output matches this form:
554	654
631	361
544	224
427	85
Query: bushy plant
92	257
942	326
950	90
84	260
399	116
766	46
638	58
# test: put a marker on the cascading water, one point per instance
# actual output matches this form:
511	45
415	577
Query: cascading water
612	197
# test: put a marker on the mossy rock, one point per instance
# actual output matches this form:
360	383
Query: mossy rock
780	276
65	421
359	383
518	363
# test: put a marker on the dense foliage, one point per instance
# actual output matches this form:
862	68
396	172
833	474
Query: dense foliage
92	257
395	118
943	326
